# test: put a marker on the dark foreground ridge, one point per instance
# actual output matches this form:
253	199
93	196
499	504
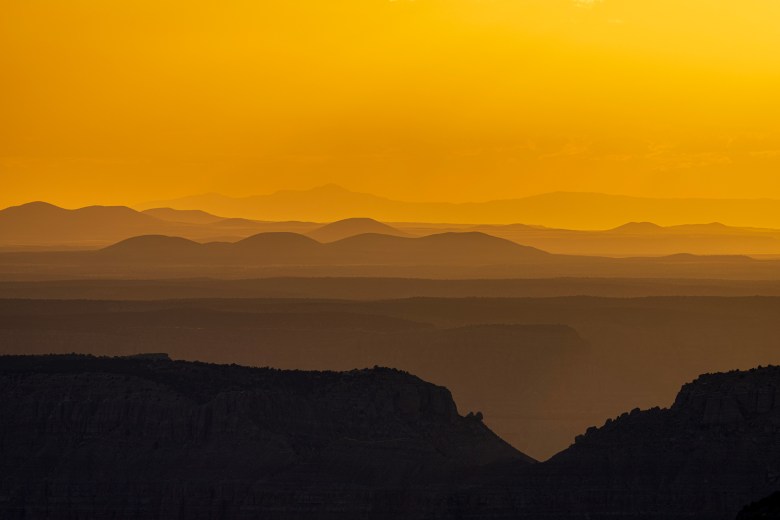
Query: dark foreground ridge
146	437
716	449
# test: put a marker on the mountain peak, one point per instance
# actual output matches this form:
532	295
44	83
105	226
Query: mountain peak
276	239
638	227
36	205
152	245
349	227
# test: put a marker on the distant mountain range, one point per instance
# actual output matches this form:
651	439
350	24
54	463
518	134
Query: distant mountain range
39	225
566	210
294	249
441	255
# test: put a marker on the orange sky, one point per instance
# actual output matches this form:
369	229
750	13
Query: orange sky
124	101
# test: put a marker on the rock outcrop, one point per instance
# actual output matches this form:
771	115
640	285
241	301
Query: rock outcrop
716	449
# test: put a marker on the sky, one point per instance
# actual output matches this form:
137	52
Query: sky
423	100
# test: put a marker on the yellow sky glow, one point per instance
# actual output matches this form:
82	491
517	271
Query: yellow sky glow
461	100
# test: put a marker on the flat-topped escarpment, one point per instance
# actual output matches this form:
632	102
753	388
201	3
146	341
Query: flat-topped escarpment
145	437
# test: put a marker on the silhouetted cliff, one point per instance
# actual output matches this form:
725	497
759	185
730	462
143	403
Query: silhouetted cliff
716	449
146	437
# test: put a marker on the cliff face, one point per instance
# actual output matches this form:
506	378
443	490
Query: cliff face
85	437
716	449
